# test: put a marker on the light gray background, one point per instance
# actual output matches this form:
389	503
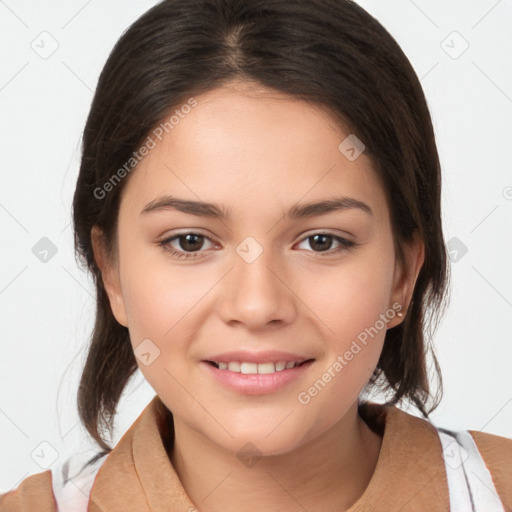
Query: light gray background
46	308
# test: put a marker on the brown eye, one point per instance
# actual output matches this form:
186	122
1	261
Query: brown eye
191	242
322	243
184	245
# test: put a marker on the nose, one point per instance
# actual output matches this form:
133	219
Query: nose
256	294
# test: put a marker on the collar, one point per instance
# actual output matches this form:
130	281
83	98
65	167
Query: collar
409	475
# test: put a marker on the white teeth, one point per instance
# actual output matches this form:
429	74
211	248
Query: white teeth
280	365
255	368
266	368
232	367
249	368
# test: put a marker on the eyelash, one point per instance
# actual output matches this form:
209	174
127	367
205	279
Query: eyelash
345	244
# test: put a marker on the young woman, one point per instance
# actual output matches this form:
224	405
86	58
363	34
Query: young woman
259	204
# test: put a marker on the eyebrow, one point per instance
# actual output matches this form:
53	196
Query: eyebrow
297	211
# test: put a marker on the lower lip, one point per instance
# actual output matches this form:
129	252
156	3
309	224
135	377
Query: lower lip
256	383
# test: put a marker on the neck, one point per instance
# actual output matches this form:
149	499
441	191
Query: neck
330	472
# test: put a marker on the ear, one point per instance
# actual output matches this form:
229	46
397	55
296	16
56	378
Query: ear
405	278
109	269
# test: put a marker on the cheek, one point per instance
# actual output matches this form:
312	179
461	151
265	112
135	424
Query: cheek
353	337
158	296
351	296
160	302
352	303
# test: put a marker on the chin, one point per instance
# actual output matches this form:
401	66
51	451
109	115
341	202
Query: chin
252	449
255	441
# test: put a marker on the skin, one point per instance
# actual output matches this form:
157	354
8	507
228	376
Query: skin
257	152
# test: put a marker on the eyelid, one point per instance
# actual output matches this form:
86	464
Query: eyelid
186	231
342	234
174	236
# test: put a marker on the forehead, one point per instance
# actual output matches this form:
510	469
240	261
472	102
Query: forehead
250	146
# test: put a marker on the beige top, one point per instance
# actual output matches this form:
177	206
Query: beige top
410	475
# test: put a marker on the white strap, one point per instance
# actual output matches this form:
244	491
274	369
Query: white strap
469	480
72	481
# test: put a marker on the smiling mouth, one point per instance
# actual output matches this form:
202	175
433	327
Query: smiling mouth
258	368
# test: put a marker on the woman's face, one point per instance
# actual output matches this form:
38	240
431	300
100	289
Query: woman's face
260	278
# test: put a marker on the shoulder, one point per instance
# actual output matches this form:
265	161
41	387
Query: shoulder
34	493
496	451
63	488
477	468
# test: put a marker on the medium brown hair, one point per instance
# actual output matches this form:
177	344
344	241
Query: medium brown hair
328	52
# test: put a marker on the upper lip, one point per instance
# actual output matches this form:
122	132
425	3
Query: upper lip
257	357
